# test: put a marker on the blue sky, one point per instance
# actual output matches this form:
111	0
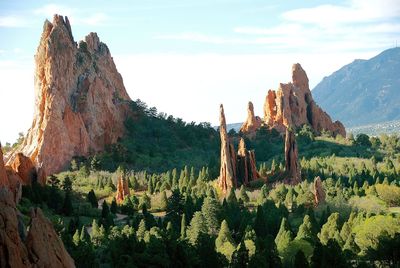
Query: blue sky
186	57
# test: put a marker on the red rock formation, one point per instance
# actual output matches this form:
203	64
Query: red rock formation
293	105
42	247
24	168
318	191
3	174
252	122
292	166
15	184
81	102
122	190
246	164
227	175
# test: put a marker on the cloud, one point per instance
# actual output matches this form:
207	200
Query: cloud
13	21
355	11
76	16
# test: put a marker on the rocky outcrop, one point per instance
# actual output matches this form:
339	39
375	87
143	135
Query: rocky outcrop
246	164
318	191
122	190
40	248
227	174
292	166
80	99
252	122
292	105
14	184
25	169
3	173
44	246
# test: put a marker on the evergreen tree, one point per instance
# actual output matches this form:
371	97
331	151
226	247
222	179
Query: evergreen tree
105	210
76	238
211	211
141	230
243	194
260	226
231	199
91	197
224	242
183	227
84	236
114	207
67	185
67	208
329	229
283	238
163	200
305	231
240	258
197	227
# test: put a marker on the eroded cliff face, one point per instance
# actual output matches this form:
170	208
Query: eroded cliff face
227	175
292	105
80	99
252	122
292	166
40	248
3	173
246	164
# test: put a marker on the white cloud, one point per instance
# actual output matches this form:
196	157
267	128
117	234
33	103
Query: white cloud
12	21
354	11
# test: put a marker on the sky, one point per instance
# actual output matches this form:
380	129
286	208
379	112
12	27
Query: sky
187	57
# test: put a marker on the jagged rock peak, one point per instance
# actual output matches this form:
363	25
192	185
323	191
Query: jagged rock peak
292	105
80	100
292	166
252	122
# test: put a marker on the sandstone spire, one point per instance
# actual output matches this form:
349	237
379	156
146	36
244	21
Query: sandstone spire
292	166
122	190
318	191
246	164
292	105
3	174
227	175
80	99
252	122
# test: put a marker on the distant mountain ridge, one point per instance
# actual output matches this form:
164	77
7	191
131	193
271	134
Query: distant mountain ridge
364	91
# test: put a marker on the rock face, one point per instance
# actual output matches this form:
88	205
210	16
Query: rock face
25	169
122	190
80	99
292	105
44	246
318	191
252	122
3	173
227	174
292	166
246	164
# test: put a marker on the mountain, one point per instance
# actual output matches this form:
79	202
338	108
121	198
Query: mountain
364	91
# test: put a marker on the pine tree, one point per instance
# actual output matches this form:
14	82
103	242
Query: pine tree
163	200
305	231
141	230
345	231
231	199
329	228
351	245
211	211
183	226
243	194
283	238
76	238
105	210
197	227
224	235
114	207
240	258
84	236
91	197
260	226
67	208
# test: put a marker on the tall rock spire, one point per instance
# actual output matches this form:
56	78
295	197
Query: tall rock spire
252	122
80	99
227	175
246	164
292	166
